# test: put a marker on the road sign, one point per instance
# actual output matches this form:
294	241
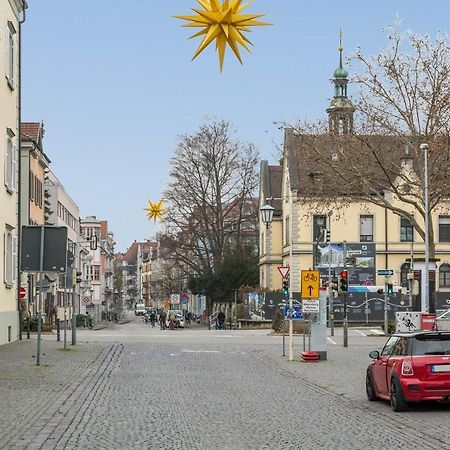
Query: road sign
385	272
23	293
296	312
86	300
310	283
284	270
310	306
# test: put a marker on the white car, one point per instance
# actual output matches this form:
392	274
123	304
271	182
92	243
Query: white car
139	309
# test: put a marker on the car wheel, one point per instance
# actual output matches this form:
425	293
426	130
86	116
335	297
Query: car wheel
370	390
398	401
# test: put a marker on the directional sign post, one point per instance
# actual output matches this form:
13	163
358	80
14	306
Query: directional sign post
310	283
385	272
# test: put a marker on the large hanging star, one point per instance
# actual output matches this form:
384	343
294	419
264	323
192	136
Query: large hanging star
223	22
154	210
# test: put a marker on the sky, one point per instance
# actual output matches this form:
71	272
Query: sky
115	86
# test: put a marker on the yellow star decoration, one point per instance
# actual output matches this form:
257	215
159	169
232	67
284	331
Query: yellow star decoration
224	22
154	210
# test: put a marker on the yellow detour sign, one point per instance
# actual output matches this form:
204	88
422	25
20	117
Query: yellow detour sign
310	283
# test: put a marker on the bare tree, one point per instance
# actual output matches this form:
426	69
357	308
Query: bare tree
209	172
403	101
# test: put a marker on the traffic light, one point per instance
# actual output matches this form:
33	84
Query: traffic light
343	281
334	284
390	290
286	286
380	291
327	239
78	277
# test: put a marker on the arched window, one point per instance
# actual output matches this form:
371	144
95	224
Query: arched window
444	275
404	270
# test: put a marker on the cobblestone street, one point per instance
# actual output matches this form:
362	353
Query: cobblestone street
135	387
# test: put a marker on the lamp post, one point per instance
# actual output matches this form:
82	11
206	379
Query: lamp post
425	303
267	216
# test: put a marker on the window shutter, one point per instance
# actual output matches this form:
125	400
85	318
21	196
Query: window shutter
14	258
15	173
4	258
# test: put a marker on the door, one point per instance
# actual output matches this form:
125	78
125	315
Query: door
379	369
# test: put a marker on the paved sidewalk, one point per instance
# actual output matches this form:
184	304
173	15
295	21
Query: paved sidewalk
33	397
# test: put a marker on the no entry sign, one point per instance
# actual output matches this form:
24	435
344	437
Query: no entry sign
22	292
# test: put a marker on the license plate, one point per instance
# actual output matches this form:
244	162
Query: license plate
441	368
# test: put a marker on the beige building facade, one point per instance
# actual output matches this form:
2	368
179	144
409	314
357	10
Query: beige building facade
11	14
309	231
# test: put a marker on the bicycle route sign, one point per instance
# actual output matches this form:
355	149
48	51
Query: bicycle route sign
310	283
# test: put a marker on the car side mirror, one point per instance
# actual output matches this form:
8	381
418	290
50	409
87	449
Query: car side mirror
375	354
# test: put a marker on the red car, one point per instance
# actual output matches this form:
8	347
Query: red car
412	367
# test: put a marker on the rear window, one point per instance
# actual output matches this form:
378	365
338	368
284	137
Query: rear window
435	344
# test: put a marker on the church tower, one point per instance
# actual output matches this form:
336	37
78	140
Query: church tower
340	112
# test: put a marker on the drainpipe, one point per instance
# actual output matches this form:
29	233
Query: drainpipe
19	168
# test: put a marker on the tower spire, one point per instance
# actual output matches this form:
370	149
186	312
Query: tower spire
340	112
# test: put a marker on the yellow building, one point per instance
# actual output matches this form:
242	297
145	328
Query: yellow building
375	237
11	15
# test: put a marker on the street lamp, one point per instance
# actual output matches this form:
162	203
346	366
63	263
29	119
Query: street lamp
267	214
266	217
425	304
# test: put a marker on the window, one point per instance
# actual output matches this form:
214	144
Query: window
9	257
406	230
404	270
319	226
287	231
401	347
10	54
389	347
444	275
444	228
10	162
366	228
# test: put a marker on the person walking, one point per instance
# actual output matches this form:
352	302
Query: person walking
153	318
221	320
162	319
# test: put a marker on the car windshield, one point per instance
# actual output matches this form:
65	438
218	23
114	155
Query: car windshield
433	344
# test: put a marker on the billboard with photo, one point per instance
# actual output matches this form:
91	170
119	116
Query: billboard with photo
360	261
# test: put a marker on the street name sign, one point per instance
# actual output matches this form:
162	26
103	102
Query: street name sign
310	306
385	272
310	284
284	271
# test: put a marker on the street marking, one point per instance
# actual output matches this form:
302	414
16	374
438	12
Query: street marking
377	332
331	340
361	333
201	351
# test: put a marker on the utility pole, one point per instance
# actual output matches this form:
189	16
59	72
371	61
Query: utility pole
385	306
330	288
344	321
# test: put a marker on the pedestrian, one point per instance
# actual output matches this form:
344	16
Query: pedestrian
153	318
221	320
162	319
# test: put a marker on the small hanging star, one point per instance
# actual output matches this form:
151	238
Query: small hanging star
154	210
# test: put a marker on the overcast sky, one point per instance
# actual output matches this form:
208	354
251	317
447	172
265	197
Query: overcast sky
114	84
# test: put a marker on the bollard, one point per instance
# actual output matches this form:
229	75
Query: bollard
58	330
28	327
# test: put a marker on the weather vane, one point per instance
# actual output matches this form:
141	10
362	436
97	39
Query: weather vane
224	22
154	210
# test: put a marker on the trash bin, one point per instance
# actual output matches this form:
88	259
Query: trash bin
427	321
